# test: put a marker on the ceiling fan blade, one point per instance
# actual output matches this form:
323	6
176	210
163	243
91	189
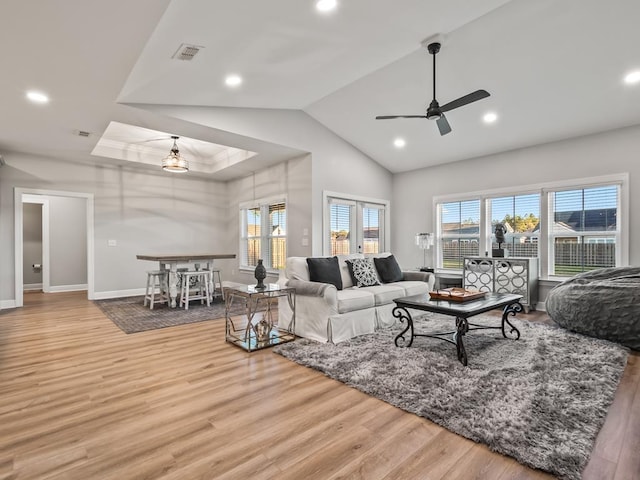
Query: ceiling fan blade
387	117
443	125
467	99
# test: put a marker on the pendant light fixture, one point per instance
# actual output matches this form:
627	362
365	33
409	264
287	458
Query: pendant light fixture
174	162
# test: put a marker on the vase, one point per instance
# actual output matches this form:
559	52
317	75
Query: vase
260	273
263	331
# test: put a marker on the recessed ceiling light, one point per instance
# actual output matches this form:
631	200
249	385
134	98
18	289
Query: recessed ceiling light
326	5
233	80
399	142
633	77
37	97
490	117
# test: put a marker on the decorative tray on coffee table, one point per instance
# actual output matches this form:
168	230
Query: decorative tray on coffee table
456	294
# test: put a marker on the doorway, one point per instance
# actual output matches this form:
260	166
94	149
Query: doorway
355	225
24	196
35	242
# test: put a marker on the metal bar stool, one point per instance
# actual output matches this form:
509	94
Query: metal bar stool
156	279
200	280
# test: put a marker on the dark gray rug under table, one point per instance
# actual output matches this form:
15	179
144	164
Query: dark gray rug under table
131	316
541	399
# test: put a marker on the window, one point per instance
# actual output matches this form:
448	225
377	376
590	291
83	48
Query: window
520	214
263	234
571	226
355	226
372	220
341	215
583	226
459	232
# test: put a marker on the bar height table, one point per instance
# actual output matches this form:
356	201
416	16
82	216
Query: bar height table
172	262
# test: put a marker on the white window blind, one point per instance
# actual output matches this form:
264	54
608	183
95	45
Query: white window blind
571	226
584	230
355	226
372	219
458	232
278	235
341	222
263	235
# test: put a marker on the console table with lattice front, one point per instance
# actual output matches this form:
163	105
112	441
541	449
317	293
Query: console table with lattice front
503	275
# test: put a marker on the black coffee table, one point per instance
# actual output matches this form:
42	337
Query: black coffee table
510	303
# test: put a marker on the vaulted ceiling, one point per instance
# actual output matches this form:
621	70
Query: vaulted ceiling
554	69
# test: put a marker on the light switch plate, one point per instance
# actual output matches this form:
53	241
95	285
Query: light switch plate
112	243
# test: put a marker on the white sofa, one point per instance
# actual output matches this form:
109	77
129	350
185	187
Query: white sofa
326	314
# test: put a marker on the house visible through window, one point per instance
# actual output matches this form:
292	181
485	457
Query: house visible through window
263	234
583	229
571	227
459	232
520	214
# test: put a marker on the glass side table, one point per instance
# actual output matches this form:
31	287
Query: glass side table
256	305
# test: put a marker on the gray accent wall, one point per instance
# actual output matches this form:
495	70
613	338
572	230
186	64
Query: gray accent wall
591	156
32	243
150	212
67	241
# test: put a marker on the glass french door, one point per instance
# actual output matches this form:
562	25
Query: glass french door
355	227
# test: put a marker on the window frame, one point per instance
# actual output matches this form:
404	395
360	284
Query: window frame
263	205
440	236
581	235
489	228
544	247
329	197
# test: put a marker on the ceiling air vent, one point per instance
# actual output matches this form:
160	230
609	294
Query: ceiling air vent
186	52
82	133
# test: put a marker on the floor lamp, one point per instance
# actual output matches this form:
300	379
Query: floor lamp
425	242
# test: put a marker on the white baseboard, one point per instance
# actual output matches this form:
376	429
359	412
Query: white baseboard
7	304
134	292
31	286
67	288
541	306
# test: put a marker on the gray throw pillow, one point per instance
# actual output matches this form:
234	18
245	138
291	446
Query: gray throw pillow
388	269
362	272
325	270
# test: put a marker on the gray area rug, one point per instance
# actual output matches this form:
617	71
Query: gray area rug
541	399
131	316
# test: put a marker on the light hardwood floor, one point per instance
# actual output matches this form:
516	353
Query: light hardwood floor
79	399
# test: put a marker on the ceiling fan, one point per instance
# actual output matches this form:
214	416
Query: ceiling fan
435	111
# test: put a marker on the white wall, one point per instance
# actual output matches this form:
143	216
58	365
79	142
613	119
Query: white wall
336	165
601	154
145	213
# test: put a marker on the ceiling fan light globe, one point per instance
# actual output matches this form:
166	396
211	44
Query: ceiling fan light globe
434	115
